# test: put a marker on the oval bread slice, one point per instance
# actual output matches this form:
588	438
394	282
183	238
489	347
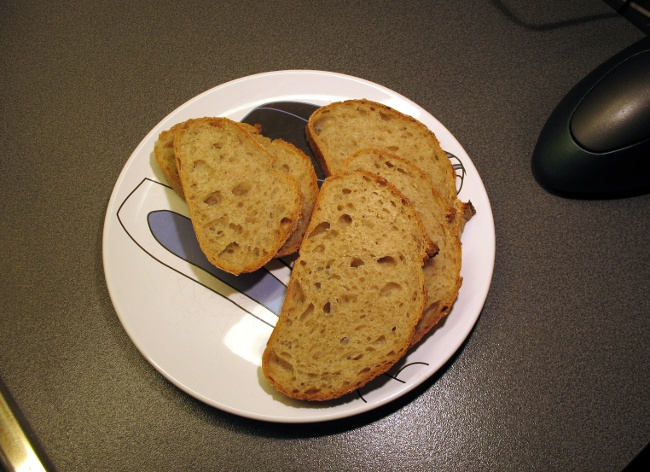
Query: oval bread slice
286	157
337	130
164	153
441	273
242	209
355	294
291	160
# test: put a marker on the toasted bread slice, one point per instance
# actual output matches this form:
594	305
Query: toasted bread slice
339	129
242	209
355	294
442	273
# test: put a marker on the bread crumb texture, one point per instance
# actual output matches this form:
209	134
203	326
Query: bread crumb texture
356	291
342	128
242	209
442	273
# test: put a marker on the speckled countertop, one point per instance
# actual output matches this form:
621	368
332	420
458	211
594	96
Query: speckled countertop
554	375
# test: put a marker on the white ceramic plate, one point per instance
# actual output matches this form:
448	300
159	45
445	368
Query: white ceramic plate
207	337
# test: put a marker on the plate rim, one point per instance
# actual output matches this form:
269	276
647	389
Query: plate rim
490	241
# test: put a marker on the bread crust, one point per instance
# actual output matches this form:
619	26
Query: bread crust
164	153
242	209
286	157
354	297
291	160
442	273
339	129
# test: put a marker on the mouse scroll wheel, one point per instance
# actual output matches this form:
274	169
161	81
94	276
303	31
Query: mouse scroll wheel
616	112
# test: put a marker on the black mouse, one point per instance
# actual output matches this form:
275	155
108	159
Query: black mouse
597	140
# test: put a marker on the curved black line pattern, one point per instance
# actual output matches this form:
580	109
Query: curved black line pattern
405	366
167	265
459	168
175	233
285	112
393	377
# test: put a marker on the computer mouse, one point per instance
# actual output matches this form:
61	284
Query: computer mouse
597	140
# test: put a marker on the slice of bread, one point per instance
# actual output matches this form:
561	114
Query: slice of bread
287	158
164	153
242	209
291	160
339	129
442	273
355	294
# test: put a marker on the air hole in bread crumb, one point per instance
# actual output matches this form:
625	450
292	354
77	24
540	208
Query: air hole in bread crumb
346	191
280	363
216	226
388	261
345	219
380	339
213	199
327	307
241	189
318	124
238	229
199	165
285	355
308	311
393	148
364	371
230	248
319	248
320	228
390	289
356	262
286	222
345	340
298	294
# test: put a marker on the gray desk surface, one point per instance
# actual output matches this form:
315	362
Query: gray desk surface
553	377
